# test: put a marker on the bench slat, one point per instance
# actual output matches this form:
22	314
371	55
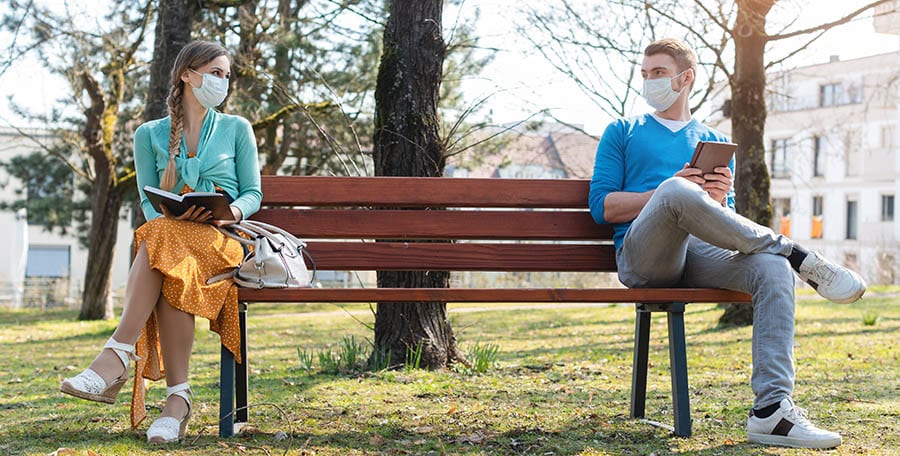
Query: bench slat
423	192
453	224
422	256
645	295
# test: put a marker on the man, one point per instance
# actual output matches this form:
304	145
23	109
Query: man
675	226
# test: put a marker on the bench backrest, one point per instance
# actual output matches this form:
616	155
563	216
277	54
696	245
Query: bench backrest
342	217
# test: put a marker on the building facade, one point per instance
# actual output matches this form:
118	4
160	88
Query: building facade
832	156
38	267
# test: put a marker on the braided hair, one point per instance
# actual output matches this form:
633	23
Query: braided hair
194	55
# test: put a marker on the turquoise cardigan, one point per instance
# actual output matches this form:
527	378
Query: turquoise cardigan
226	157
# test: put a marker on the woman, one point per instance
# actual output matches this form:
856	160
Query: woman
195	148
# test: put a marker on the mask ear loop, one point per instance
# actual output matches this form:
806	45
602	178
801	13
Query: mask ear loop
198	74
684	84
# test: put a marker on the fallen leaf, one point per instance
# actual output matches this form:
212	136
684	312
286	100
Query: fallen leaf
63	452
452	410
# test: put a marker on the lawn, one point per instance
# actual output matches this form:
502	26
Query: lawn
560	385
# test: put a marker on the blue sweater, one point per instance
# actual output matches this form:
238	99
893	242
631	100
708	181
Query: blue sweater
226	158
637	154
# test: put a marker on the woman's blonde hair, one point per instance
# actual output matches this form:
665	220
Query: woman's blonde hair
194	55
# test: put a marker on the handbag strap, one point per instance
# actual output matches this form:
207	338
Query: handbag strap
268	231
220	277
231	232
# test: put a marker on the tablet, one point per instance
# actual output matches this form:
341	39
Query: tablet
709	155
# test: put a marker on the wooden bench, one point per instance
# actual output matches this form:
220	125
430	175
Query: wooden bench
334	214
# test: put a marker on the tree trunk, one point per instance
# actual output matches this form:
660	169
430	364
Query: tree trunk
173	31
748	88
175	19
407	143
106	201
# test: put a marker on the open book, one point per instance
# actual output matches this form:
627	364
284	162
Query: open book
710	155
179	204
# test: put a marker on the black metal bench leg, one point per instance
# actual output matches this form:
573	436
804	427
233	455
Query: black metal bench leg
233	383
241	412
226	393
639	368
678	366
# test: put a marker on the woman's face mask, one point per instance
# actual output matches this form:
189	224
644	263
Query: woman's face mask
212	90
659	93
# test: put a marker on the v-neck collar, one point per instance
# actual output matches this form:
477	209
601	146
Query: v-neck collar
666	128
201	138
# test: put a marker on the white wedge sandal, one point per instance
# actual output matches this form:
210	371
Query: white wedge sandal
91	386
167	429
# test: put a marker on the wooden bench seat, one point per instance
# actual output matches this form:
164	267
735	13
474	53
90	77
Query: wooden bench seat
449	224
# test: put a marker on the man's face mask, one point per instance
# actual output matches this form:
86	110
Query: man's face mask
212	90
659	94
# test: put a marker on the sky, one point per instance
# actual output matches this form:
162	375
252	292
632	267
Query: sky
519	82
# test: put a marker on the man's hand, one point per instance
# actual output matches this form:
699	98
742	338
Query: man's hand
193	214
716	184
694	175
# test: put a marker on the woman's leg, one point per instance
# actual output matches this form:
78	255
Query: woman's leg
141	295
176	339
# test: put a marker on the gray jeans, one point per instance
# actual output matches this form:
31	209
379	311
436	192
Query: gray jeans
683	238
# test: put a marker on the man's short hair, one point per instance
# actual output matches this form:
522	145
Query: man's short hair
684	56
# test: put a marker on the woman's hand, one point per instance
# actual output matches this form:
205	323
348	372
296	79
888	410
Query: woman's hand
235	212
193	214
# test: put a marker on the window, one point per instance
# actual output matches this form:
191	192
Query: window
779	167
817	222
853	152
830	95
887	136
47	261
851	219
818	157
887	208
782	210
817	205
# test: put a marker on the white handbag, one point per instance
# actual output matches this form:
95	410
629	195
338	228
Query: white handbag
276	258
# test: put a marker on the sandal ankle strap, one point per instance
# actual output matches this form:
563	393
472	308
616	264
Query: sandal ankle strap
125	352
182	390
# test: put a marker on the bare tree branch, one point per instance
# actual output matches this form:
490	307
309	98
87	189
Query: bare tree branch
700	34
577	128
796	51
716	19
829	25
56	153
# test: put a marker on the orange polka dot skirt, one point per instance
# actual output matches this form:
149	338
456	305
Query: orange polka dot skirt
187	254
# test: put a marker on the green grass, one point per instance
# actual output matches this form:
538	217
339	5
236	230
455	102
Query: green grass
559	384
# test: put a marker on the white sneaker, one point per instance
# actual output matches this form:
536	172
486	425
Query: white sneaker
834	283
789	427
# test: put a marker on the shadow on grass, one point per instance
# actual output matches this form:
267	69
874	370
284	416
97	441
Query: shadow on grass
610	435
22	317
